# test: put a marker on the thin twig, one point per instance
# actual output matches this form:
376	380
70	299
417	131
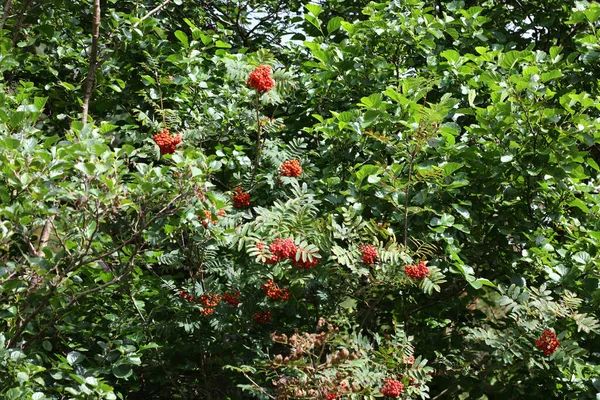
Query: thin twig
152	12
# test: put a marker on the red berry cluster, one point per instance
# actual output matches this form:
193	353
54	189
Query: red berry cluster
270	260
209	301
290	168
263	317
166	142
233	299
207	218
331	396
305	264
369	254
240	198
282	249
419	271
260	79
547	342
274	292
392	388
409	360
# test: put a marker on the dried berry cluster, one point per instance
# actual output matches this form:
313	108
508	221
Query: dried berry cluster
275	292
241	199
392	388
263	317
282	249
419	271
547	342
260	79
233	299
290	168
166	142
369	254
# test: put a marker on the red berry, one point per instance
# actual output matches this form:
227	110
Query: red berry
260	79
547	342
263	317
274	292
241	199
419	271
233	299
283	248
369	254
392	388
166	142
290	168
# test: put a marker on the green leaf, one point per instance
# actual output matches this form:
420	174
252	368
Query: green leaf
334	24
222	45
122	371
183	38
314	9
75	357
579	204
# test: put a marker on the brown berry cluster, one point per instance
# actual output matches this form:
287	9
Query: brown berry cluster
263	317
282	249
260	79
419	271
233	299
166	142
240	198
547	342
392	388
290	168
369	254
275	292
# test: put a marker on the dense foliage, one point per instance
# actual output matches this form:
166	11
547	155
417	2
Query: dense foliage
291	200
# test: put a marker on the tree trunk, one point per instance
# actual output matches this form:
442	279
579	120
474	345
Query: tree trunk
91	75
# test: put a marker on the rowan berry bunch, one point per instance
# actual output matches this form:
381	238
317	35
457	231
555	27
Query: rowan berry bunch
283	248
166	142
392	388
306	264
419	271
260	79
408	360
207	218
369	254
290	168
263	317
186	296
269	260
547	342
233	299
241	199
275	292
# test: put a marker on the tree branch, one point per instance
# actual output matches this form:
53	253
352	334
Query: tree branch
7	8
91	75
152	12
